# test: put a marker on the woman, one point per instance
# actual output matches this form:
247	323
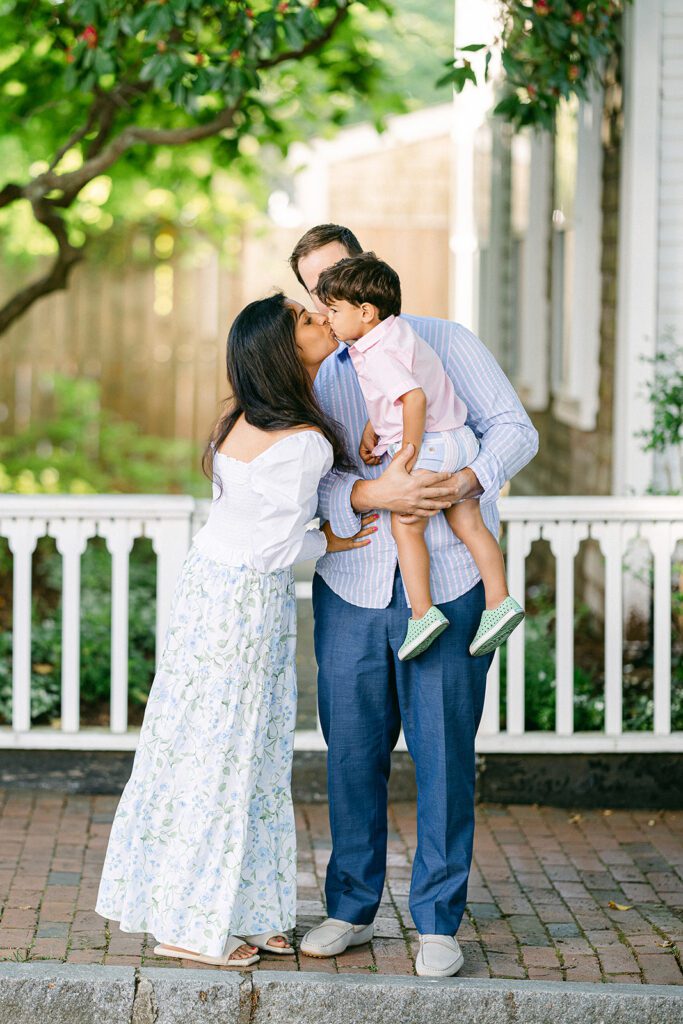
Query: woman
202	852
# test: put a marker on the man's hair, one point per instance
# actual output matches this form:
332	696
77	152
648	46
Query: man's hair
316	238
360	279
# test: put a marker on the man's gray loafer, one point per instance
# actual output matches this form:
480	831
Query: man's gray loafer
332	937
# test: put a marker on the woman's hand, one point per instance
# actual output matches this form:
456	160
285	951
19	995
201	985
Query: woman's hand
360	540
367	443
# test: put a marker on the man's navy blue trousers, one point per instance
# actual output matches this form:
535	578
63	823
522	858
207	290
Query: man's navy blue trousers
364	694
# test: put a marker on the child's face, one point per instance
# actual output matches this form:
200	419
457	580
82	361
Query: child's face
348	321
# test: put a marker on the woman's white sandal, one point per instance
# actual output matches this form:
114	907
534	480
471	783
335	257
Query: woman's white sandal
261	942
226	960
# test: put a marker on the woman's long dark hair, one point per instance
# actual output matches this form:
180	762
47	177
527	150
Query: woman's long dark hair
269	383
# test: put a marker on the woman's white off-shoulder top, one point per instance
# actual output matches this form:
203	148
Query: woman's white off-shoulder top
261	510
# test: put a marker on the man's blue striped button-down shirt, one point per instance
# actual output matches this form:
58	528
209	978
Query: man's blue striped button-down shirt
507	440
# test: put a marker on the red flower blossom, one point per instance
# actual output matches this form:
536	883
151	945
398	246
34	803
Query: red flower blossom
542	8
282	7
577	18
235	55
90	36
573	72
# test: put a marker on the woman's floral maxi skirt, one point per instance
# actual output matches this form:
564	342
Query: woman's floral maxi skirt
203	844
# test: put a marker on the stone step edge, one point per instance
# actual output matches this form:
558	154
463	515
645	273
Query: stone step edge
95	994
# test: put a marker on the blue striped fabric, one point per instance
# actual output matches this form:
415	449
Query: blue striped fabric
507	439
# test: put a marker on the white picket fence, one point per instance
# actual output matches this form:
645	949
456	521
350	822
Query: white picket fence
169	522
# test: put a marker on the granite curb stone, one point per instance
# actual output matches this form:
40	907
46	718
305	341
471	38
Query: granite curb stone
38	993
92	994
171	995
308	999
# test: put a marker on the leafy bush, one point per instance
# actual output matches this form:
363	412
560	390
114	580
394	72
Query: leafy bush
81	448
46	637
589	681
550	50
539	671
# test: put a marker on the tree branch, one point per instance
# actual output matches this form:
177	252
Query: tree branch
101	154
56	277
10	193
81	132
310	47
72	182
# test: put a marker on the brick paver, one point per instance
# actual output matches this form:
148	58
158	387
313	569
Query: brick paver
586	896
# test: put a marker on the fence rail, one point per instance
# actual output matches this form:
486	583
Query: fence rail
170	522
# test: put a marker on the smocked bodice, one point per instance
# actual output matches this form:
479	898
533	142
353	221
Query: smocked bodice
261	509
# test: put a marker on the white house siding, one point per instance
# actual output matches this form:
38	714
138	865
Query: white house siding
670	224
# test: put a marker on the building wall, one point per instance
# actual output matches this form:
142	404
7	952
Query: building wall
668	469
397	202
572	461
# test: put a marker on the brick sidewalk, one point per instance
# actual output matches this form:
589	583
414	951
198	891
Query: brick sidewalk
539	898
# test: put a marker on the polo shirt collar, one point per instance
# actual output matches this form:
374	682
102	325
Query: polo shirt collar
373	336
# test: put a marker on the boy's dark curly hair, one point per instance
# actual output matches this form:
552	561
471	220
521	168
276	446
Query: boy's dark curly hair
359	279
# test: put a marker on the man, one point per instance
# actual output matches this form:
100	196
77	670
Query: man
365	692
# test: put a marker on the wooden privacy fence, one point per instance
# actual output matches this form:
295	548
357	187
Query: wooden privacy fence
171	521
154	335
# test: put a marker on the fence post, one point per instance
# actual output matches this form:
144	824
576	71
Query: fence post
22	535
119	535
171	541
71	536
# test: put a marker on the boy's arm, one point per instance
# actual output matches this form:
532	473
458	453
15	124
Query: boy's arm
414	418
367	444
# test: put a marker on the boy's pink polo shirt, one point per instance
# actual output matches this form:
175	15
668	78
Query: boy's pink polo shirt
392	360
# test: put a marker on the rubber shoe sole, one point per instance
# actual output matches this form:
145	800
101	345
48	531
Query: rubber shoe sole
496	636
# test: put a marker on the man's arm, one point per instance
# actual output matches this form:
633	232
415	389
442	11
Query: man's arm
343	498
507	438
335	505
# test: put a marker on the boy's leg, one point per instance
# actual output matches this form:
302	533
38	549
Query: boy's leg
413	558
441	696
361	724
467	524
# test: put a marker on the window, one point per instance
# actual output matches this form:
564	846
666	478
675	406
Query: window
575	255
531	195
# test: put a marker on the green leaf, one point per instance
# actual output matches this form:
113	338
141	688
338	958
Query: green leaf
508	105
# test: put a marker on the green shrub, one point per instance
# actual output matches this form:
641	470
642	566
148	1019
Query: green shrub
539	671
46	637
589	680
81	448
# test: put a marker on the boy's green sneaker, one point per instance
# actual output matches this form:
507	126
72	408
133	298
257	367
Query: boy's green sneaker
495	626
421	632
